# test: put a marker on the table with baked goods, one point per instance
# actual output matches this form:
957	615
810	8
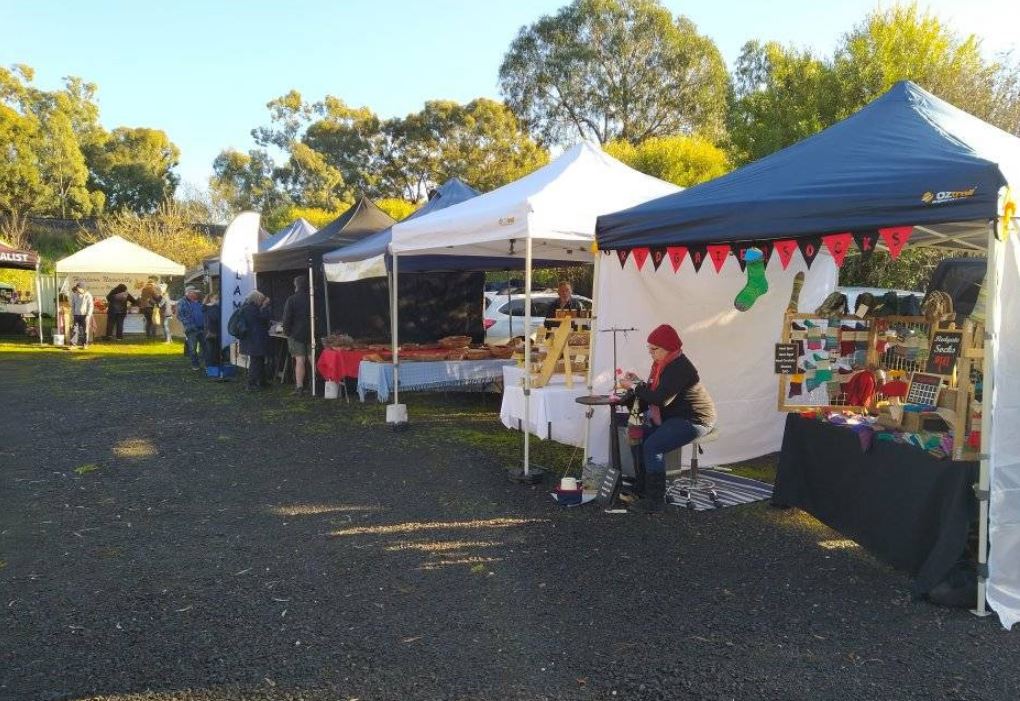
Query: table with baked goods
450	363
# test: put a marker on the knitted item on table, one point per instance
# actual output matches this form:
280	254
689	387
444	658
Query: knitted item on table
798	283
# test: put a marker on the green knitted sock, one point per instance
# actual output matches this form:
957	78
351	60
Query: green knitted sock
756	284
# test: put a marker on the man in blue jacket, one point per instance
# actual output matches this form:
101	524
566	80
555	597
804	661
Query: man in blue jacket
189	311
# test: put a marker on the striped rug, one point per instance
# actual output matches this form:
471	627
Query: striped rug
731	490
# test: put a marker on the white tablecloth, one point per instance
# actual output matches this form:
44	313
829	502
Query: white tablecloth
554	413
417	375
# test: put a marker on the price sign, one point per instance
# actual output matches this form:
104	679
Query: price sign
945	349
786	358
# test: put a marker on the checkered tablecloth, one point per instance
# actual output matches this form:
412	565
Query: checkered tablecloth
417	376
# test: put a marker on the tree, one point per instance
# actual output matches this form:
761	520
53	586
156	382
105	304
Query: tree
167	230
22	188
780	96
481	143
245	181
614	70
134	168
902	43
681	160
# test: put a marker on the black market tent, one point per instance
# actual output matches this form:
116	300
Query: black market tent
435	300
275	270
908	159
362	219
297	230
23	259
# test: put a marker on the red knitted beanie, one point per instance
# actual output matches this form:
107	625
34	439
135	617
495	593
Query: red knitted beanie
666	338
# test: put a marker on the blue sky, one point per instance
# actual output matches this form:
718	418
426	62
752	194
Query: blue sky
203	70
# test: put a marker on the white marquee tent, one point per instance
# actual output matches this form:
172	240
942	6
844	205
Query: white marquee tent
115	255
549	215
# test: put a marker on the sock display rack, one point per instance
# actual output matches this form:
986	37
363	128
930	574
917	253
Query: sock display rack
562	350
938	361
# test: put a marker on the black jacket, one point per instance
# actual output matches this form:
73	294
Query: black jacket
211	319
297	317
256	341
118	302
680	393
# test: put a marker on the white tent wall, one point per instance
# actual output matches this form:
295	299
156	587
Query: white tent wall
732	350
1004	508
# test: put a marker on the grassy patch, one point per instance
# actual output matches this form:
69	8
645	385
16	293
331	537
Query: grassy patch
86	468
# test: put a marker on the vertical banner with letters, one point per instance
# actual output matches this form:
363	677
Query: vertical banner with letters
237	274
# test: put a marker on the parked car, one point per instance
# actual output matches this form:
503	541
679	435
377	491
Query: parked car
504	318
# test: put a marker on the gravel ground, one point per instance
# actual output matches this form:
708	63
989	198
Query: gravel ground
162	537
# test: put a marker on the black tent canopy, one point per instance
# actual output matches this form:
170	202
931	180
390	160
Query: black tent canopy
361	220
18	259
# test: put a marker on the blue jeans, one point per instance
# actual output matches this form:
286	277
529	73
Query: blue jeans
193	340
659	440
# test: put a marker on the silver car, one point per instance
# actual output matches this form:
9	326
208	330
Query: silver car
504	316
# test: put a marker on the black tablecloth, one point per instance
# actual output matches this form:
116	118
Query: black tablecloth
906	507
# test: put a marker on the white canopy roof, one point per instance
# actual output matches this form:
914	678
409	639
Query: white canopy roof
556	206
116	255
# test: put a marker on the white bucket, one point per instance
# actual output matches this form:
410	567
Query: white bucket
332	390
58	339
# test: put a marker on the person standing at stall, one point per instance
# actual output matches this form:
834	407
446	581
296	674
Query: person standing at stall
211	340
118	299
566	298
297	324
257	314
147	304
166	310
82	306
190	312
677	409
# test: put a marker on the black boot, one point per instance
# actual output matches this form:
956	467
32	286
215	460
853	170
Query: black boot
636	488
654	499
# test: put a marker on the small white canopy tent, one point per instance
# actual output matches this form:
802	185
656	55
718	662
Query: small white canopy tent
116	255
549	214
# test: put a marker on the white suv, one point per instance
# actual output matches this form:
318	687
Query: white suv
504	317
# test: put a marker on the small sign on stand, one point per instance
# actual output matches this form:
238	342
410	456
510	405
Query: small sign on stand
609	488
786	358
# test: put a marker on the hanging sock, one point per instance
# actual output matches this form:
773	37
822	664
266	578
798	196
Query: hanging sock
756	284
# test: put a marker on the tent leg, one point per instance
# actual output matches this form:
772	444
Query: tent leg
528	474
311	299
396	413
325	295
592	330
38	304
987	395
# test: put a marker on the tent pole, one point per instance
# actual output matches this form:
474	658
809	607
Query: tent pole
527	357
395	348
38	303
311	299
592	331
987	394
325	294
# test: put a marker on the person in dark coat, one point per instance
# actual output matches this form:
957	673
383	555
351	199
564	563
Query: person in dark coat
211	319
118	300
677	410
257	314
297	324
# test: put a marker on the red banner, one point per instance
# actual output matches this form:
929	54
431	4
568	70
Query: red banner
785	249
895	238
640	256
838	245
718	252
676	256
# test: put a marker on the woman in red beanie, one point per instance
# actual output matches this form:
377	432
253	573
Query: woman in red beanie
677	410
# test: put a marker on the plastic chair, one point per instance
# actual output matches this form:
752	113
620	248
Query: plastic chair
683	489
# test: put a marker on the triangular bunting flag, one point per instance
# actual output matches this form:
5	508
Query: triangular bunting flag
738	250
866	241
766	250
658	255
622	254
895	238
809	247
697	254
676	256
718	252
838	245
785	248
640	256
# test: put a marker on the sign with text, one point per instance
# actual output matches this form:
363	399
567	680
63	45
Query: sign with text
237	274
945	349
609	487
786	358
